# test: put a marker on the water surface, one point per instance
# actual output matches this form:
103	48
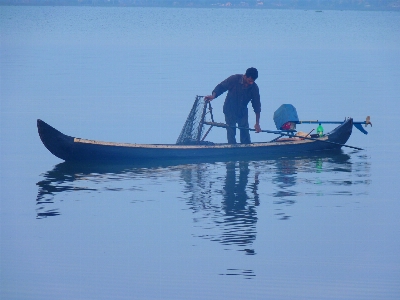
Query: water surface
307	227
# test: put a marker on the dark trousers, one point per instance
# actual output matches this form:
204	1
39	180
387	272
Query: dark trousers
242	121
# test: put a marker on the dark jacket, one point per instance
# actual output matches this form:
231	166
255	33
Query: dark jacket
238	96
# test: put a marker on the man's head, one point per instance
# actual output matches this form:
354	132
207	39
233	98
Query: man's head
252	73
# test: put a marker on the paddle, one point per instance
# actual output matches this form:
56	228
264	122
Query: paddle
281	132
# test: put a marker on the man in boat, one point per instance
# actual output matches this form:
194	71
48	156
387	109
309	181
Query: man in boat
241	90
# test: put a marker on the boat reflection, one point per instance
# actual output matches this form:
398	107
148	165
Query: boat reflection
223	196
240	180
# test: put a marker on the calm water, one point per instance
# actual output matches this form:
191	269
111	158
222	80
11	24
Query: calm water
311	227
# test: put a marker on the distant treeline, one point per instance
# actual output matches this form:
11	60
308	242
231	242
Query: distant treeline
269	4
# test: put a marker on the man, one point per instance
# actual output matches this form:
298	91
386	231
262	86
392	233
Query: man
241	90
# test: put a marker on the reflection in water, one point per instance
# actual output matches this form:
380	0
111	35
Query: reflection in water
228	212
228	208
223	197
239	207
318	176
237	197
247	274
71	178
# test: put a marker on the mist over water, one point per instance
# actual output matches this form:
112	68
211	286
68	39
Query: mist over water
322	226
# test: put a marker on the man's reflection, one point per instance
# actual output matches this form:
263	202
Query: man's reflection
235	214
240	208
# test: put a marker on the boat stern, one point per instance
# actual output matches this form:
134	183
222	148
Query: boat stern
57	143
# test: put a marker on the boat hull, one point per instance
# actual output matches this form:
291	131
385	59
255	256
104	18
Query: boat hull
70	148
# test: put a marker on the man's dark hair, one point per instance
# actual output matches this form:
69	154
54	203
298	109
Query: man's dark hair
252	72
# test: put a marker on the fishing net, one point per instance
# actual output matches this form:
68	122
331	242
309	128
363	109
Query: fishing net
193	129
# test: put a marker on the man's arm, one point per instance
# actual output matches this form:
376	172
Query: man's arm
256	103
220	88
257	125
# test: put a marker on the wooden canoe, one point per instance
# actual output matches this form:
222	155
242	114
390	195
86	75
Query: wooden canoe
71	148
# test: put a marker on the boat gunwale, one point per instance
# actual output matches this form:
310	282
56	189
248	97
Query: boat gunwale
215	146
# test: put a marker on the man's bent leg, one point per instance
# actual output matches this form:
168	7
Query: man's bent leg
230	132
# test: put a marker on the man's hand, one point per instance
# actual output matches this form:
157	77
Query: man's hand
209	98
257	128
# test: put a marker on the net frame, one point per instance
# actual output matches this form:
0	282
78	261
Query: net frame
194	126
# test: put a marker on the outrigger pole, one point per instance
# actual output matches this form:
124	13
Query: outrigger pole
356	124
366	122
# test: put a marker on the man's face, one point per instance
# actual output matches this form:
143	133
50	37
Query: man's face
248	80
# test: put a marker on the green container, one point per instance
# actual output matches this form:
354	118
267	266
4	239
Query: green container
320	130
